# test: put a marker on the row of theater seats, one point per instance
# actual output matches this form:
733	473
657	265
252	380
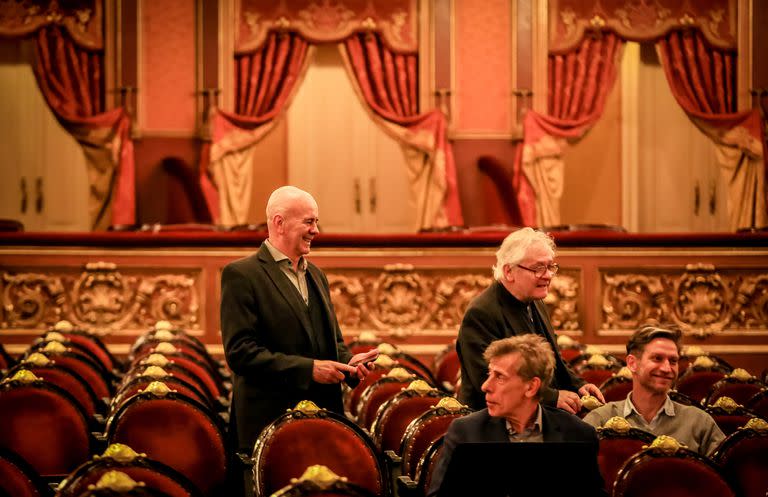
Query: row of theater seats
168	401
67	398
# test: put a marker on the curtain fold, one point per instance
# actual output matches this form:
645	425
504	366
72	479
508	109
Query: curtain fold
579	83
70	79
703	81
387	84
266	80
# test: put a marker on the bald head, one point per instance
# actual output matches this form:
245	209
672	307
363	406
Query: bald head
292	217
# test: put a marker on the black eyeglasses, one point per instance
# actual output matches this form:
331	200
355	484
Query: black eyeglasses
541	270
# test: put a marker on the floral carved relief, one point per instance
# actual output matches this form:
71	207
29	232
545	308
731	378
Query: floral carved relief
700	298
401	300
100	298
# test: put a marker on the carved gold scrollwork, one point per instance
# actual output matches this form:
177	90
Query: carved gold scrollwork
400	300
562	301
750	309
630	300
31	299
701	301
100	298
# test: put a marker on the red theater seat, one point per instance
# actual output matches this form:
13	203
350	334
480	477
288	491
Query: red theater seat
44	424
743	459
122	458
175	430
618	442
667	470
18	478
307	436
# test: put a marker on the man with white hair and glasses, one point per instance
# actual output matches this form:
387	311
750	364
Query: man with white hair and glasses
513	305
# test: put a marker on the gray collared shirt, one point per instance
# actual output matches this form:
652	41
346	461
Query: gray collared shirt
688	425
532	433
297	276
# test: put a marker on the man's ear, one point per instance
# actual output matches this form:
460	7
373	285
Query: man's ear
533	386
632	363
508	273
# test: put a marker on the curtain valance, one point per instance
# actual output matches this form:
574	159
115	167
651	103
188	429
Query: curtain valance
328	21
641	20
82	19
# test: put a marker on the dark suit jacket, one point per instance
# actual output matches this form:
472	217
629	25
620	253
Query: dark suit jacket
267	344
556	426
495	314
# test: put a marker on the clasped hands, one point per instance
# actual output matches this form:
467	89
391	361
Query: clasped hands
324	371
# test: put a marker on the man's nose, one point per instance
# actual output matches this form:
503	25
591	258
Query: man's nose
666	366
486	386
314	228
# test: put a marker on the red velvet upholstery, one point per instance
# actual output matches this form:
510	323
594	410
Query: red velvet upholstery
18	478
89	370
174	430
616	388
421	433
740	391
307	488
426	466
570	354
447	367
393	418
352	397
6	361
729	422
696	383
411	363
173	370
45	425
685	473
743	459
136	385
375	396
184	346
95	346
296	441
69	381
596	376
759	404
201	371
617	448
153	474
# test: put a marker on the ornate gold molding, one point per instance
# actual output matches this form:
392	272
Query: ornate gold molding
400	300
101	298
701	299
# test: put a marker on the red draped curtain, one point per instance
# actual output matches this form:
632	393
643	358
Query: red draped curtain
388	84
703	81
579	83
379	44
265	80
70	78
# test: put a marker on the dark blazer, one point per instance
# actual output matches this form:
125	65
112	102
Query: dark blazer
556	426
496	314
267	344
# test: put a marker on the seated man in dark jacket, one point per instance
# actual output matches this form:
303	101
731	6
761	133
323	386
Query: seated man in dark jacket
517	368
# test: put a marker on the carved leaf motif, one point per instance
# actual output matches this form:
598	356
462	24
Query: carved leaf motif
630	300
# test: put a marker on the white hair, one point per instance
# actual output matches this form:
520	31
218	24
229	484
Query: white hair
516	245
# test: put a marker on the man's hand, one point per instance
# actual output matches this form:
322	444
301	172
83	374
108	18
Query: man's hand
361	362
330	371
568	401
591	389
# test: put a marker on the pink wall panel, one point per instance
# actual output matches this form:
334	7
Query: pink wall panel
482	57
167	60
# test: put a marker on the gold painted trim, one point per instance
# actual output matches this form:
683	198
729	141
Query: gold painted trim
450	404
426	55
306	407
619	424
756	424
120	453
727	404
117	481
321	476
158	388
514	127
455	114
420	386
540	55
744	37
139	113
514	133
666	444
